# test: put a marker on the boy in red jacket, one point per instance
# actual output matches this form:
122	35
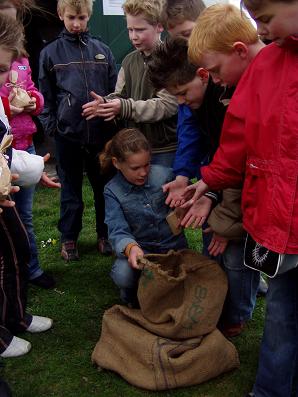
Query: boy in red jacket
259	147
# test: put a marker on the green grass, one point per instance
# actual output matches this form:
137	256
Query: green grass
59	363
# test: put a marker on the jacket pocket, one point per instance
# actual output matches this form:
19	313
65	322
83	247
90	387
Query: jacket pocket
64	108
258	192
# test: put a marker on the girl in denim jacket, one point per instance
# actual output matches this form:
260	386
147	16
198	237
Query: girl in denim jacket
135	209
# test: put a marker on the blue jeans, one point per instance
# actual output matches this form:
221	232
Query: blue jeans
242	285
24	204
126	278
164	159
277	371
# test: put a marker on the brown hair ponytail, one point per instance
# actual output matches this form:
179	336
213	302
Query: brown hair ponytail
125	142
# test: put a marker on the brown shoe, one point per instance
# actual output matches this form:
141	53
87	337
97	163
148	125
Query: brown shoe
104	247
69	251
231	330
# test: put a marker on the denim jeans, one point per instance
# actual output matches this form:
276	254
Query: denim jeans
24	204
277	371
164	159
126	278
243	284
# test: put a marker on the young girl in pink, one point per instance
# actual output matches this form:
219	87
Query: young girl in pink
23	127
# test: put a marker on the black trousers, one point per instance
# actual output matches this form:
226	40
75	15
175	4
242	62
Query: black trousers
14	259
72	160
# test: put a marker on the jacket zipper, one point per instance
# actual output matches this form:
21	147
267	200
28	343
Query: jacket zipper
86	82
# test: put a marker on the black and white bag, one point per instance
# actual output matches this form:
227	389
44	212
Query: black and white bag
271	263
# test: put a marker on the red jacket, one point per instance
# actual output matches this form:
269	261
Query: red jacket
259	144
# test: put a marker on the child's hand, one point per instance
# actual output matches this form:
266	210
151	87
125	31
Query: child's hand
175	190
195	191
110	109
13	109
50	182
31	107
197	213
13	189
218	243
46	180
90	109
135	253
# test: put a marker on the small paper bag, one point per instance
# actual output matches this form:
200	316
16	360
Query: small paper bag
22	98
5	175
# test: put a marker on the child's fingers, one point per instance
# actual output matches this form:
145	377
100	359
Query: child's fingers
187	204
14	176
166	187
14	189
90	105
91	116
46	157
96	96
7	203
109	118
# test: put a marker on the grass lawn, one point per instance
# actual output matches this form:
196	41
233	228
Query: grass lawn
59	363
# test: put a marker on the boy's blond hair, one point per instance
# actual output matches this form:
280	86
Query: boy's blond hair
217	29
151	10
179	11
77	5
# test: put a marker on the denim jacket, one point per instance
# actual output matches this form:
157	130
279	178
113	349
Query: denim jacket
138	213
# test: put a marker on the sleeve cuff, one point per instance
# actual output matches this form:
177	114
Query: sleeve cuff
126	109
6	106
38	103
122	244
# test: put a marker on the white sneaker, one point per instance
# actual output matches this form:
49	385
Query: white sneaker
17	347
39	324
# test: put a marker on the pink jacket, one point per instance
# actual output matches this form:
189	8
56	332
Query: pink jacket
22	125
259	143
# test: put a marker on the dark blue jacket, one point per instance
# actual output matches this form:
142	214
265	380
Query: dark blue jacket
191	151
70	67
199	131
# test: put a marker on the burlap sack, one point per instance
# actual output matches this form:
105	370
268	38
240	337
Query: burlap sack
5	175
181	294
155	363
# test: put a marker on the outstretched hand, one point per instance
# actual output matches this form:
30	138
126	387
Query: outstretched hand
90	109
175	190
47	181
193	192
218	243
197	213
110	109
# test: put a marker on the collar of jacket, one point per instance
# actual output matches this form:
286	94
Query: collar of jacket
129	187
83	36
146	58
291	43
